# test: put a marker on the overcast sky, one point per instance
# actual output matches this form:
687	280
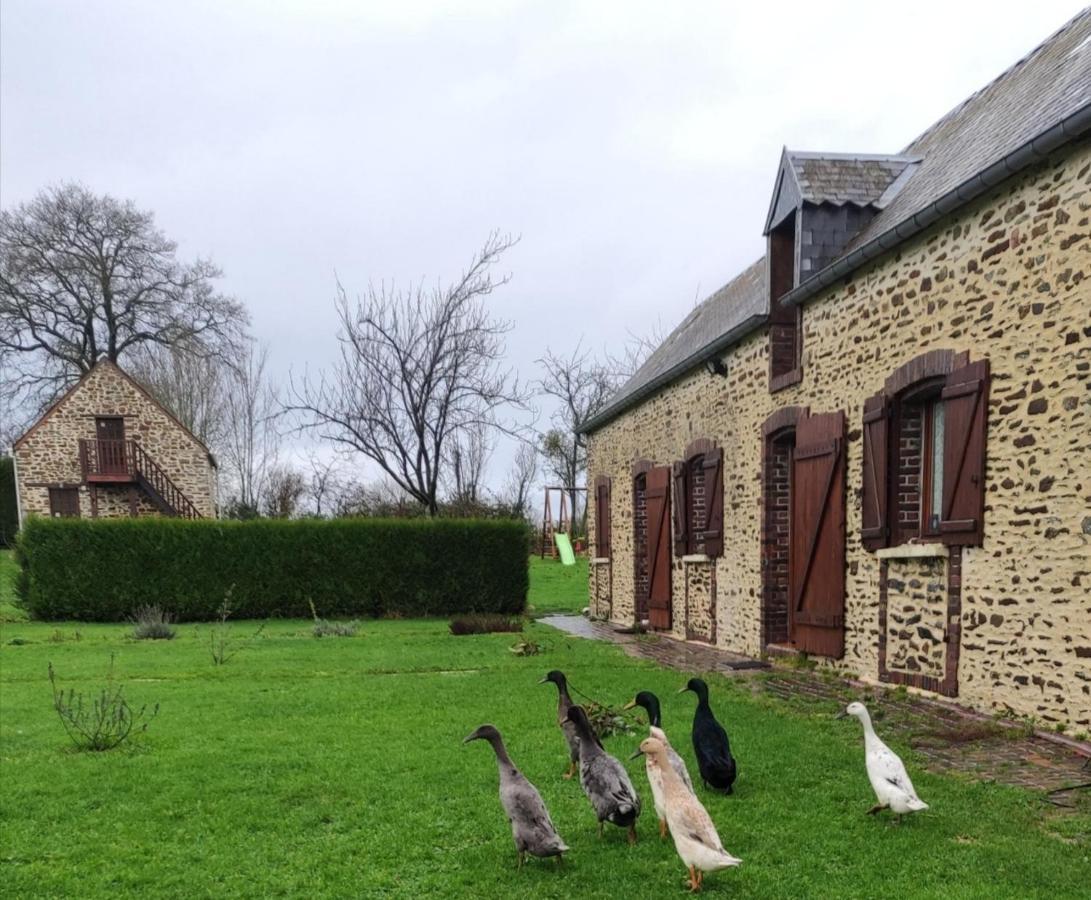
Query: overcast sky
632	145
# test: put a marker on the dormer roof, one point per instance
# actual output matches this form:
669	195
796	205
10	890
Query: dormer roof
862	179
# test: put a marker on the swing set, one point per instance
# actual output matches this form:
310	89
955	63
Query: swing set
557	533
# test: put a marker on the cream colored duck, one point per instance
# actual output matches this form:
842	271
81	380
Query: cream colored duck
650	703
695	836
885	770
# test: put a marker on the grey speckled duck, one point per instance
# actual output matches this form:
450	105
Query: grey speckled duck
604	779
564	703
531	826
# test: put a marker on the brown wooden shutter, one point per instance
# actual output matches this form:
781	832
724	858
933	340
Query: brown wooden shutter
817	559
602	516
681	510
874	520
714	494
657	496
966	402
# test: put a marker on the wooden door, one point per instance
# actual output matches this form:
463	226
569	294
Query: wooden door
657	497
816	614
110	431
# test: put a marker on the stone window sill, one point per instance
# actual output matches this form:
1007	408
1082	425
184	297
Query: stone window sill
914	551
696	558
600	560
785	380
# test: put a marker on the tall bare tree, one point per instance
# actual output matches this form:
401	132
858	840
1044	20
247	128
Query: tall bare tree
468	455
325	483
85	277
192	386
581	386
251	443
520	480
419	367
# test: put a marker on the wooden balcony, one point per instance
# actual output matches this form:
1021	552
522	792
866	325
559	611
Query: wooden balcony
107	462
127	462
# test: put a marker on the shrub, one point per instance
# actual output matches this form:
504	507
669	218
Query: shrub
152	623
100	570
103	722
221	644
9	509
484	624
323	628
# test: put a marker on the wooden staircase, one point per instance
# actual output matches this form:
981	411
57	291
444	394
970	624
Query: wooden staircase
127	462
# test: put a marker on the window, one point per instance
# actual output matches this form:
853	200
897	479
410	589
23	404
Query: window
602	517
64	503
699	501
785	333
924	453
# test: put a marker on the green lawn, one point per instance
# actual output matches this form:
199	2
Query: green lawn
335	768
557	588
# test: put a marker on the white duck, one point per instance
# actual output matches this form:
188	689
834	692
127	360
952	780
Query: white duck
885	771
650	703
695	836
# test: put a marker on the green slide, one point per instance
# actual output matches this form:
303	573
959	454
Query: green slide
564	546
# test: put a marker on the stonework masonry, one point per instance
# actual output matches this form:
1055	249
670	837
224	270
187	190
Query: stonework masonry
1007	278
48	455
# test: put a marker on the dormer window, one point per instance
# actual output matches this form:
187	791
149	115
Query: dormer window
822	201
784	322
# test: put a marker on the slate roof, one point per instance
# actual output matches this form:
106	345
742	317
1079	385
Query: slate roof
843	178
1047	87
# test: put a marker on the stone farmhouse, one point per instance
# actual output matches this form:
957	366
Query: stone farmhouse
873	446
107	448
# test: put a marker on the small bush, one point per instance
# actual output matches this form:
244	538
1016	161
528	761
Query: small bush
484	624
221	644
103	722
9	509
100	570
323	628
152	623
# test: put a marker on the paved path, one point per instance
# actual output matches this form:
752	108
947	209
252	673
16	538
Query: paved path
950	739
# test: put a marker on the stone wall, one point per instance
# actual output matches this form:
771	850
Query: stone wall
48	455
1007	279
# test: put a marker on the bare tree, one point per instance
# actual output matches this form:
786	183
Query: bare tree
85	277
469	453
192	386
637	349
520	480
282	492
418	368
581	385
251	441
383	499
326	484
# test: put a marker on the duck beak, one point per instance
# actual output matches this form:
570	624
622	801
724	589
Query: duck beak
629	705
682	690
842	714
470	737
543	681
637	753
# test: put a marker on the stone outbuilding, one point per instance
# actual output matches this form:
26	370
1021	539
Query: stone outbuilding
873	446
108	448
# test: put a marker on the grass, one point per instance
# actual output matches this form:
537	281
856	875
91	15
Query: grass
318	768
557	588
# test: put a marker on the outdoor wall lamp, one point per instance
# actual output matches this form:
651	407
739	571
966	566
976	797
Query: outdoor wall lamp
715	366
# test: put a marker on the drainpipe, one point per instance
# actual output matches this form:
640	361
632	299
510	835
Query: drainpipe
18	496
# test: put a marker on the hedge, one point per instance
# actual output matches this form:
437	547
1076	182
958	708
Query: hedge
101	570
9	507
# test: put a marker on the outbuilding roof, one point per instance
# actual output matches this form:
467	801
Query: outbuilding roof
1039	104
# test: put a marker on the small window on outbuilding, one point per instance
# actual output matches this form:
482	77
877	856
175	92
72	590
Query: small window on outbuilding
602	517
64	502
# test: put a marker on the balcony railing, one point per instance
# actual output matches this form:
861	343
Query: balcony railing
117	461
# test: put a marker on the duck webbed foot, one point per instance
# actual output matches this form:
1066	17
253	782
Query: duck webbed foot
694	880
600	829
662	829
522	858
570	771
878	807
632	834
